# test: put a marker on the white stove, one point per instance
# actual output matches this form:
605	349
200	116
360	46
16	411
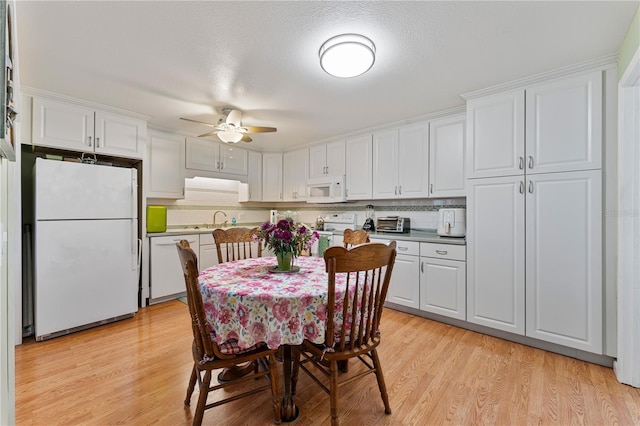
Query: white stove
336	222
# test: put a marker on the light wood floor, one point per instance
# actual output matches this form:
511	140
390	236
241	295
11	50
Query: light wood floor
135	372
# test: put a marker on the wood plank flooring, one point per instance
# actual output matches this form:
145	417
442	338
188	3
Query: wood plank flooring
135	372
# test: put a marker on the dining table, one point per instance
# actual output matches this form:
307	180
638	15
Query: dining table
252	302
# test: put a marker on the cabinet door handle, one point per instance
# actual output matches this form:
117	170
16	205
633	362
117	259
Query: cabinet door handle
400	189
89	144
521	187
443	252
221	165
422	267
403	248
97	142
521	163
530	162
395	190
431	188
530	187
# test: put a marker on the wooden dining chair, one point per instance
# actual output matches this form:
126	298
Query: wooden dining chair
236	244
353	238
367	269
209	356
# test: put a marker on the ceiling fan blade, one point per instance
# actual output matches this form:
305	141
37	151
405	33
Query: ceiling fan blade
246	138
234	117
259	129
208	134
199	122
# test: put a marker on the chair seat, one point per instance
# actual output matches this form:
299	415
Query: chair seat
230	347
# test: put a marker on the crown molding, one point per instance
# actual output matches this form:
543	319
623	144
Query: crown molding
605	62
32	91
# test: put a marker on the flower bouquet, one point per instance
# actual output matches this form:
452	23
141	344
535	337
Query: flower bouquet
287	240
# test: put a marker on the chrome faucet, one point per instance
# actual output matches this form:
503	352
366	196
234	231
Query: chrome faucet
214	218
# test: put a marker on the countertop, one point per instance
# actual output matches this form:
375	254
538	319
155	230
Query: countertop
425	236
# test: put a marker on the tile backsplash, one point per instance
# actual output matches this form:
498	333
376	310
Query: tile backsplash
204	196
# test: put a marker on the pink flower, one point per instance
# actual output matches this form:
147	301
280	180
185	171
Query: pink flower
281	310
310	331
224	315
274	339
243	315
294	325
258	331
321	312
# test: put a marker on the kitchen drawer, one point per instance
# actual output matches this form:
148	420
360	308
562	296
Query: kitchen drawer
411	248
443	251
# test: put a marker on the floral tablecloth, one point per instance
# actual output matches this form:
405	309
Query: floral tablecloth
246	302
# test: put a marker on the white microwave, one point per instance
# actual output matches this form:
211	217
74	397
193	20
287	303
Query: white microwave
330	189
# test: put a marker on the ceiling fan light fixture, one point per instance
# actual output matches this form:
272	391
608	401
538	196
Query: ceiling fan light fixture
347	55
230	136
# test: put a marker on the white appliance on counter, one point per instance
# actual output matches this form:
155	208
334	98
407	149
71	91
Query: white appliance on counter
335	222
87	251
452	222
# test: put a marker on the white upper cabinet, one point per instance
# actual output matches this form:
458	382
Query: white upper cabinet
327	159
495	135
446	157
385	164
271	177
295	175
209	156
563	129
564	124
78	127
254	178
166	157
400	162
359	167
413	161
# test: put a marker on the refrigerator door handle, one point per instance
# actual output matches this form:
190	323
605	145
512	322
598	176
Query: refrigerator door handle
138	255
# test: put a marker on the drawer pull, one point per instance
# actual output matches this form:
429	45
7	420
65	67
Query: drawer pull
403	248
441	251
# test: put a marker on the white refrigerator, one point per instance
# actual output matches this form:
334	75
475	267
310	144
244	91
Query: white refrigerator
87	251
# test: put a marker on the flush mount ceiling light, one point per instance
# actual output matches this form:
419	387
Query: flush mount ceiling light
230	136
347	55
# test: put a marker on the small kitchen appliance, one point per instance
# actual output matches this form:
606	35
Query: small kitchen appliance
452	222
397	224
273	217
369	221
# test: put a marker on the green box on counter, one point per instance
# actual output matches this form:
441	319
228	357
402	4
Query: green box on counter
156	219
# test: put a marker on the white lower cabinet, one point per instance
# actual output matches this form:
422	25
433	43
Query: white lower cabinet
537	270
404	287
443	279
167	278
208	254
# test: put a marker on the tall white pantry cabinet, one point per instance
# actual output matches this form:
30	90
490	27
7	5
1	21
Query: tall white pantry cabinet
534	211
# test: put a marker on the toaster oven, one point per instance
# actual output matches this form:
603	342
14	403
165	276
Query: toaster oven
397	224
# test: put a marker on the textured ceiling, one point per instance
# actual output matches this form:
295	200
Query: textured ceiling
172	59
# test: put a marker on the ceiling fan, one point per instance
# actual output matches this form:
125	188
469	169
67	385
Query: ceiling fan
230	129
